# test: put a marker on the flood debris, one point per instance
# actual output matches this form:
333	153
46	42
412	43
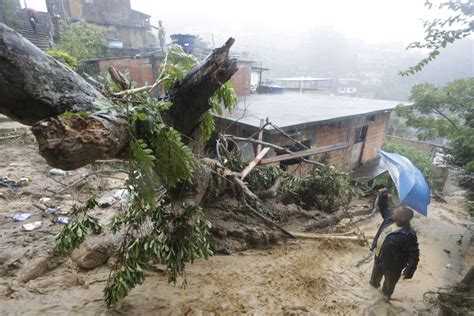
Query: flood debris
21	217
62	220
7	183
59	172
32	226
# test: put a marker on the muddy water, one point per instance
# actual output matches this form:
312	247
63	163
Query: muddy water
297	277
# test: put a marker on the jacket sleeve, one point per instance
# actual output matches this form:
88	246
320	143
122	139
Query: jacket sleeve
384	206
413	256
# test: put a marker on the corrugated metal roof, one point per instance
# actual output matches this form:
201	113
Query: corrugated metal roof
291	109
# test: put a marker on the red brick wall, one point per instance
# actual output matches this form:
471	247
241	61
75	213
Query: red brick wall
141	72
241	80
139	69
330	134
375	137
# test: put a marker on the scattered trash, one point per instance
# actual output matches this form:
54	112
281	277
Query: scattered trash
7	183
106	201
51	210
23	181
21	217
121	195
62	220
447	251
13	164
449	266
32	226
59	172
46	201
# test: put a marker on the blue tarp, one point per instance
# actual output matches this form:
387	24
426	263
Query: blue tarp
413	190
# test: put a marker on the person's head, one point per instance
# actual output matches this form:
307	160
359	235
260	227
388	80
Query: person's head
402	215
160	23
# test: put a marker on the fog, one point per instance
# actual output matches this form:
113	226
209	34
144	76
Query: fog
338	39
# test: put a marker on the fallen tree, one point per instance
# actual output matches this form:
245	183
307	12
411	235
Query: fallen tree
75	124
36	89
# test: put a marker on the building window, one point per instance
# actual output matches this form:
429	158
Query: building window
360	134
371	118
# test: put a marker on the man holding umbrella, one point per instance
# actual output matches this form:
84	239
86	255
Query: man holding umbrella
395	246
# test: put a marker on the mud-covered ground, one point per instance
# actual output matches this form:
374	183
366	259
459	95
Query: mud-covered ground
279	277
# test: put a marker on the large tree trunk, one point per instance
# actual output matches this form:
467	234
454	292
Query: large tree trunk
35	89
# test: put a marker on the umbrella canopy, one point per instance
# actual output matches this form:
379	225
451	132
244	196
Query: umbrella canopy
413	190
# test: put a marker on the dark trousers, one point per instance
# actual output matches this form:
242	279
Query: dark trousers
390	278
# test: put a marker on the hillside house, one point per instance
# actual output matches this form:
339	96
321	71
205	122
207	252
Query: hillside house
123	26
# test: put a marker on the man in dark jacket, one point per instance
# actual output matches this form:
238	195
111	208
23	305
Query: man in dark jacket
395	246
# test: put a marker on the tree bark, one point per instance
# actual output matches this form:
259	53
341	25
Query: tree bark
35	89
334	218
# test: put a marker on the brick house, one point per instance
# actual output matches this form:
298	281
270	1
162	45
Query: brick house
351	130
123	26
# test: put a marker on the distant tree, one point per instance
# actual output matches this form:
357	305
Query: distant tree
8	12
82	41
445	112
443	31
150	38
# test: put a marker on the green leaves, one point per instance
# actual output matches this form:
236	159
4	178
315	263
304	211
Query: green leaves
441	32
175	240
74	233
326	188
82	41
444	112
63	57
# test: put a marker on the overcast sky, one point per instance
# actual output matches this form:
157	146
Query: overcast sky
373	21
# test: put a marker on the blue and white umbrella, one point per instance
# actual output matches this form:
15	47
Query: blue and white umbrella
413	190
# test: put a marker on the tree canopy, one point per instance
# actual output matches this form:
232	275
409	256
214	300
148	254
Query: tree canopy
445	112
440	32
82	41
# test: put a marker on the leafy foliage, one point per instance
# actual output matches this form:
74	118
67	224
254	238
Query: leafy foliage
74	233
325	188
63	57
442	31
261	177
445	112
82	41
173	239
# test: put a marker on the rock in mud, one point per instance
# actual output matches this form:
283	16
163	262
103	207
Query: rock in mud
41	267
95	251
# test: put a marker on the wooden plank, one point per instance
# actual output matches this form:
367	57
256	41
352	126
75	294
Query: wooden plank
260	136
304	153
254	163
328	236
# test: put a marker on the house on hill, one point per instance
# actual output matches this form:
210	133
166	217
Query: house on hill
351	130
123	26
